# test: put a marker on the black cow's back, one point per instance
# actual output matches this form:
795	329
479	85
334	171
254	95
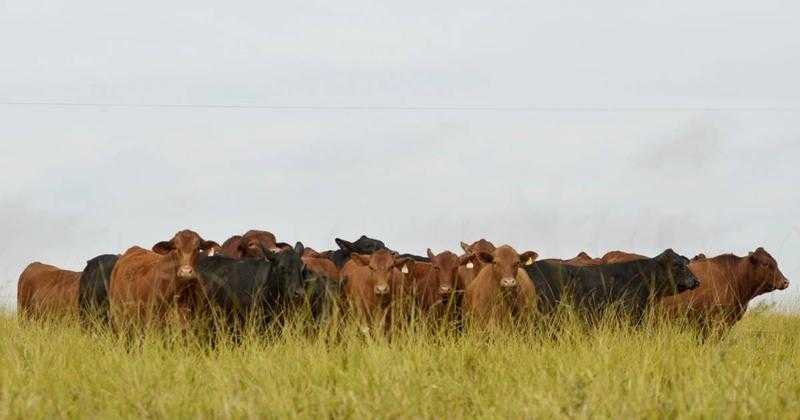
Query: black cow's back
93	288
593	289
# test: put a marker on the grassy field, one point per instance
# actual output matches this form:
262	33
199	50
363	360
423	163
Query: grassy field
57	370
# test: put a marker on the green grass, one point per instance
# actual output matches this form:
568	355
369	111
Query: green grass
54	369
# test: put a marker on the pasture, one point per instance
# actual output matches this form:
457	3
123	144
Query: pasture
55	369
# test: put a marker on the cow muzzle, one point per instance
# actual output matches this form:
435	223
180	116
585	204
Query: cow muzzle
691	283
445	290
783	285
186	272
381	289
508	282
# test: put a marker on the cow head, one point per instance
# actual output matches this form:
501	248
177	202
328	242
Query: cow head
505	262
290	270
255	244
185	247
383	267
677	267
445	268
363	245
481	245
765	271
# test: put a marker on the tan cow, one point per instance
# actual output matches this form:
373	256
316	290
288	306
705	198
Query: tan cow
372	281
147	285
45	290
502	287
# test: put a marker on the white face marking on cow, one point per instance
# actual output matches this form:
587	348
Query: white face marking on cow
530	261
211	252
470	265
404	270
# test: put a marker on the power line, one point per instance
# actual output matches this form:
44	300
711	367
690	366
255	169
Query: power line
400	107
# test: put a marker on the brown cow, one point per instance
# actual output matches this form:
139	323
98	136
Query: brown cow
321	266
581	260
727	284
502	287
47	290
371	282
252	244
311	252
436	284
147	285
613	257
472	266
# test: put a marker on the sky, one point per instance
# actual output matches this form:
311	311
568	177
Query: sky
557	127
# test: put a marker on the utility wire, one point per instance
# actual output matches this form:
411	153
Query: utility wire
400	107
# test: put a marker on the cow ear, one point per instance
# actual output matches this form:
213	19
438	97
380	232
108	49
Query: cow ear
528	257
465	247
299	248
359	259
404	264
430	253
206	245
344	245
164	247
485	256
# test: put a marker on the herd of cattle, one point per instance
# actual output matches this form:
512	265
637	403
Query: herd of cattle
254	273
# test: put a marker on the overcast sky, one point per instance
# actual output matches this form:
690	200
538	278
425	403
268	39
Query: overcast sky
687	132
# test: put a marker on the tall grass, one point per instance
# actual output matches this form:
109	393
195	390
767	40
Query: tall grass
59	369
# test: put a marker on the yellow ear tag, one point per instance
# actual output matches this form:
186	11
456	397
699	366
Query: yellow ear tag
470	265
405	269
530	261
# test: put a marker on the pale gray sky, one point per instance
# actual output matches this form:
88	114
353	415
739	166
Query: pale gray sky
80	181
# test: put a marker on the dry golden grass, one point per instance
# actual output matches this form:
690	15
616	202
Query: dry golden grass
55	369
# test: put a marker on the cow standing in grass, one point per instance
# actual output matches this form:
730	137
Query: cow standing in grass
629	286
147	286
727	284
44	290
436	286
371	282
259	290
501	288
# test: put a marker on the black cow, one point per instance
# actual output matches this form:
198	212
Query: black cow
417	258
363	245
262	288
93	288
631	285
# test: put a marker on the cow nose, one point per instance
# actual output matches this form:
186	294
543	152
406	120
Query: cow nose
784	284
508	282
186	272
381	289
445	289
